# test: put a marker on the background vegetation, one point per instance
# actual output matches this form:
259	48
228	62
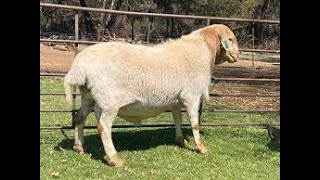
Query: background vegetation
134	28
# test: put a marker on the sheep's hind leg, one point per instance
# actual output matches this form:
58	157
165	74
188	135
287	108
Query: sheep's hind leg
105	120
177	116
80	117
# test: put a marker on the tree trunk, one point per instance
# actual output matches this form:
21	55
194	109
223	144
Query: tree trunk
132	29
87	18
262	12
150	27
109	15
61	23
166	5
110	22
102	19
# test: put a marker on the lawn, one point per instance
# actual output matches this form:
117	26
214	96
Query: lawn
151	153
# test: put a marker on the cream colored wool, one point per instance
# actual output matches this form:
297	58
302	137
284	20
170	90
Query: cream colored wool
136	82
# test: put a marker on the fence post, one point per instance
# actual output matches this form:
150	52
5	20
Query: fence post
252	46
76	33
148	31
76	50
200	112
208	22
99	29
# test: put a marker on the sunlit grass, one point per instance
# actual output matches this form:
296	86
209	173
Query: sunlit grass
151	153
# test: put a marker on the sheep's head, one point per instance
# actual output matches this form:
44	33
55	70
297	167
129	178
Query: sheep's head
221	35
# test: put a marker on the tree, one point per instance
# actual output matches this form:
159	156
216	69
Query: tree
109	21
59	21
87	19
268	9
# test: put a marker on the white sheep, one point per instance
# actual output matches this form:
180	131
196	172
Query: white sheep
137	82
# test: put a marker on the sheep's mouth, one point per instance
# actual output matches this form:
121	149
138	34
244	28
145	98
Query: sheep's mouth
232	59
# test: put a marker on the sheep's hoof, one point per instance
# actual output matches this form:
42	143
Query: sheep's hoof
200	148
78	148
182	141
115	161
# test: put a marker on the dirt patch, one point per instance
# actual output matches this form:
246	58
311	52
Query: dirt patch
56	60
247	103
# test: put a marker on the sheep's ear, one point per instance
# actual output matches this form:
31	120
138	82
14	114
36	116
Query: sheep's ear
225	43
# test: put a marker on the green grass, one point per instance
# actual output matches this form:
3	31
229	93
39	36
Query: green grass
151	153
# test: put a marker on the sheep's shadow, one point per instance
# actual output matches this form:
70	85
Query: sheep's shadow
274	145
127	141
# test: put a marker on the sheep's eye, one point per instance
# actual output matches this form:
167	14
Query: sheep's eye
230	39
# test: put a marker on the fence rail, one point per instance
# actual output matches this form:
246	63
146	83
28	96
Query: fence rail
210	94
96	42
77	8
212	79
165	125
76	41
202	110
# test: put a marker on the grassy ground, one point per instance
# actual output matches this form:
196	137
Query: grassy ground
151	153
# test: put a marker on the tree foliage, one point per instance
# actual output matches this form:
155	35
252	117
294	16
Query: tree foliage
136	27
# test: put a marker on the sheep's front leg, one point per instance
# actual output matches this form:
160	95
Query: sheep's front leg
104	127
177	116
192	106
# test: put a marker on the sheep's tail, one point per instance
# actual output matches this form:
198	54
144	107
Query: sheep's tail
73	79
68	90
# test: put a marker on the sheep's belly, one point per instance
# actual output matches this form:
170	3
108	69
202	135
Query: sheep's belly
138	111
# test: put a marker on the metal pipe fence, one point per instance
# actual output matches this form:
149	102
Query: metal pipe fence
213	79
165	125
95	42
211	95
207	110
76	41
202	110
78	8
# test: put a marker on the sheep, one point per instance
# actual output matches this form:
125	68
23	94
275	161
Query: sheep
137	82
